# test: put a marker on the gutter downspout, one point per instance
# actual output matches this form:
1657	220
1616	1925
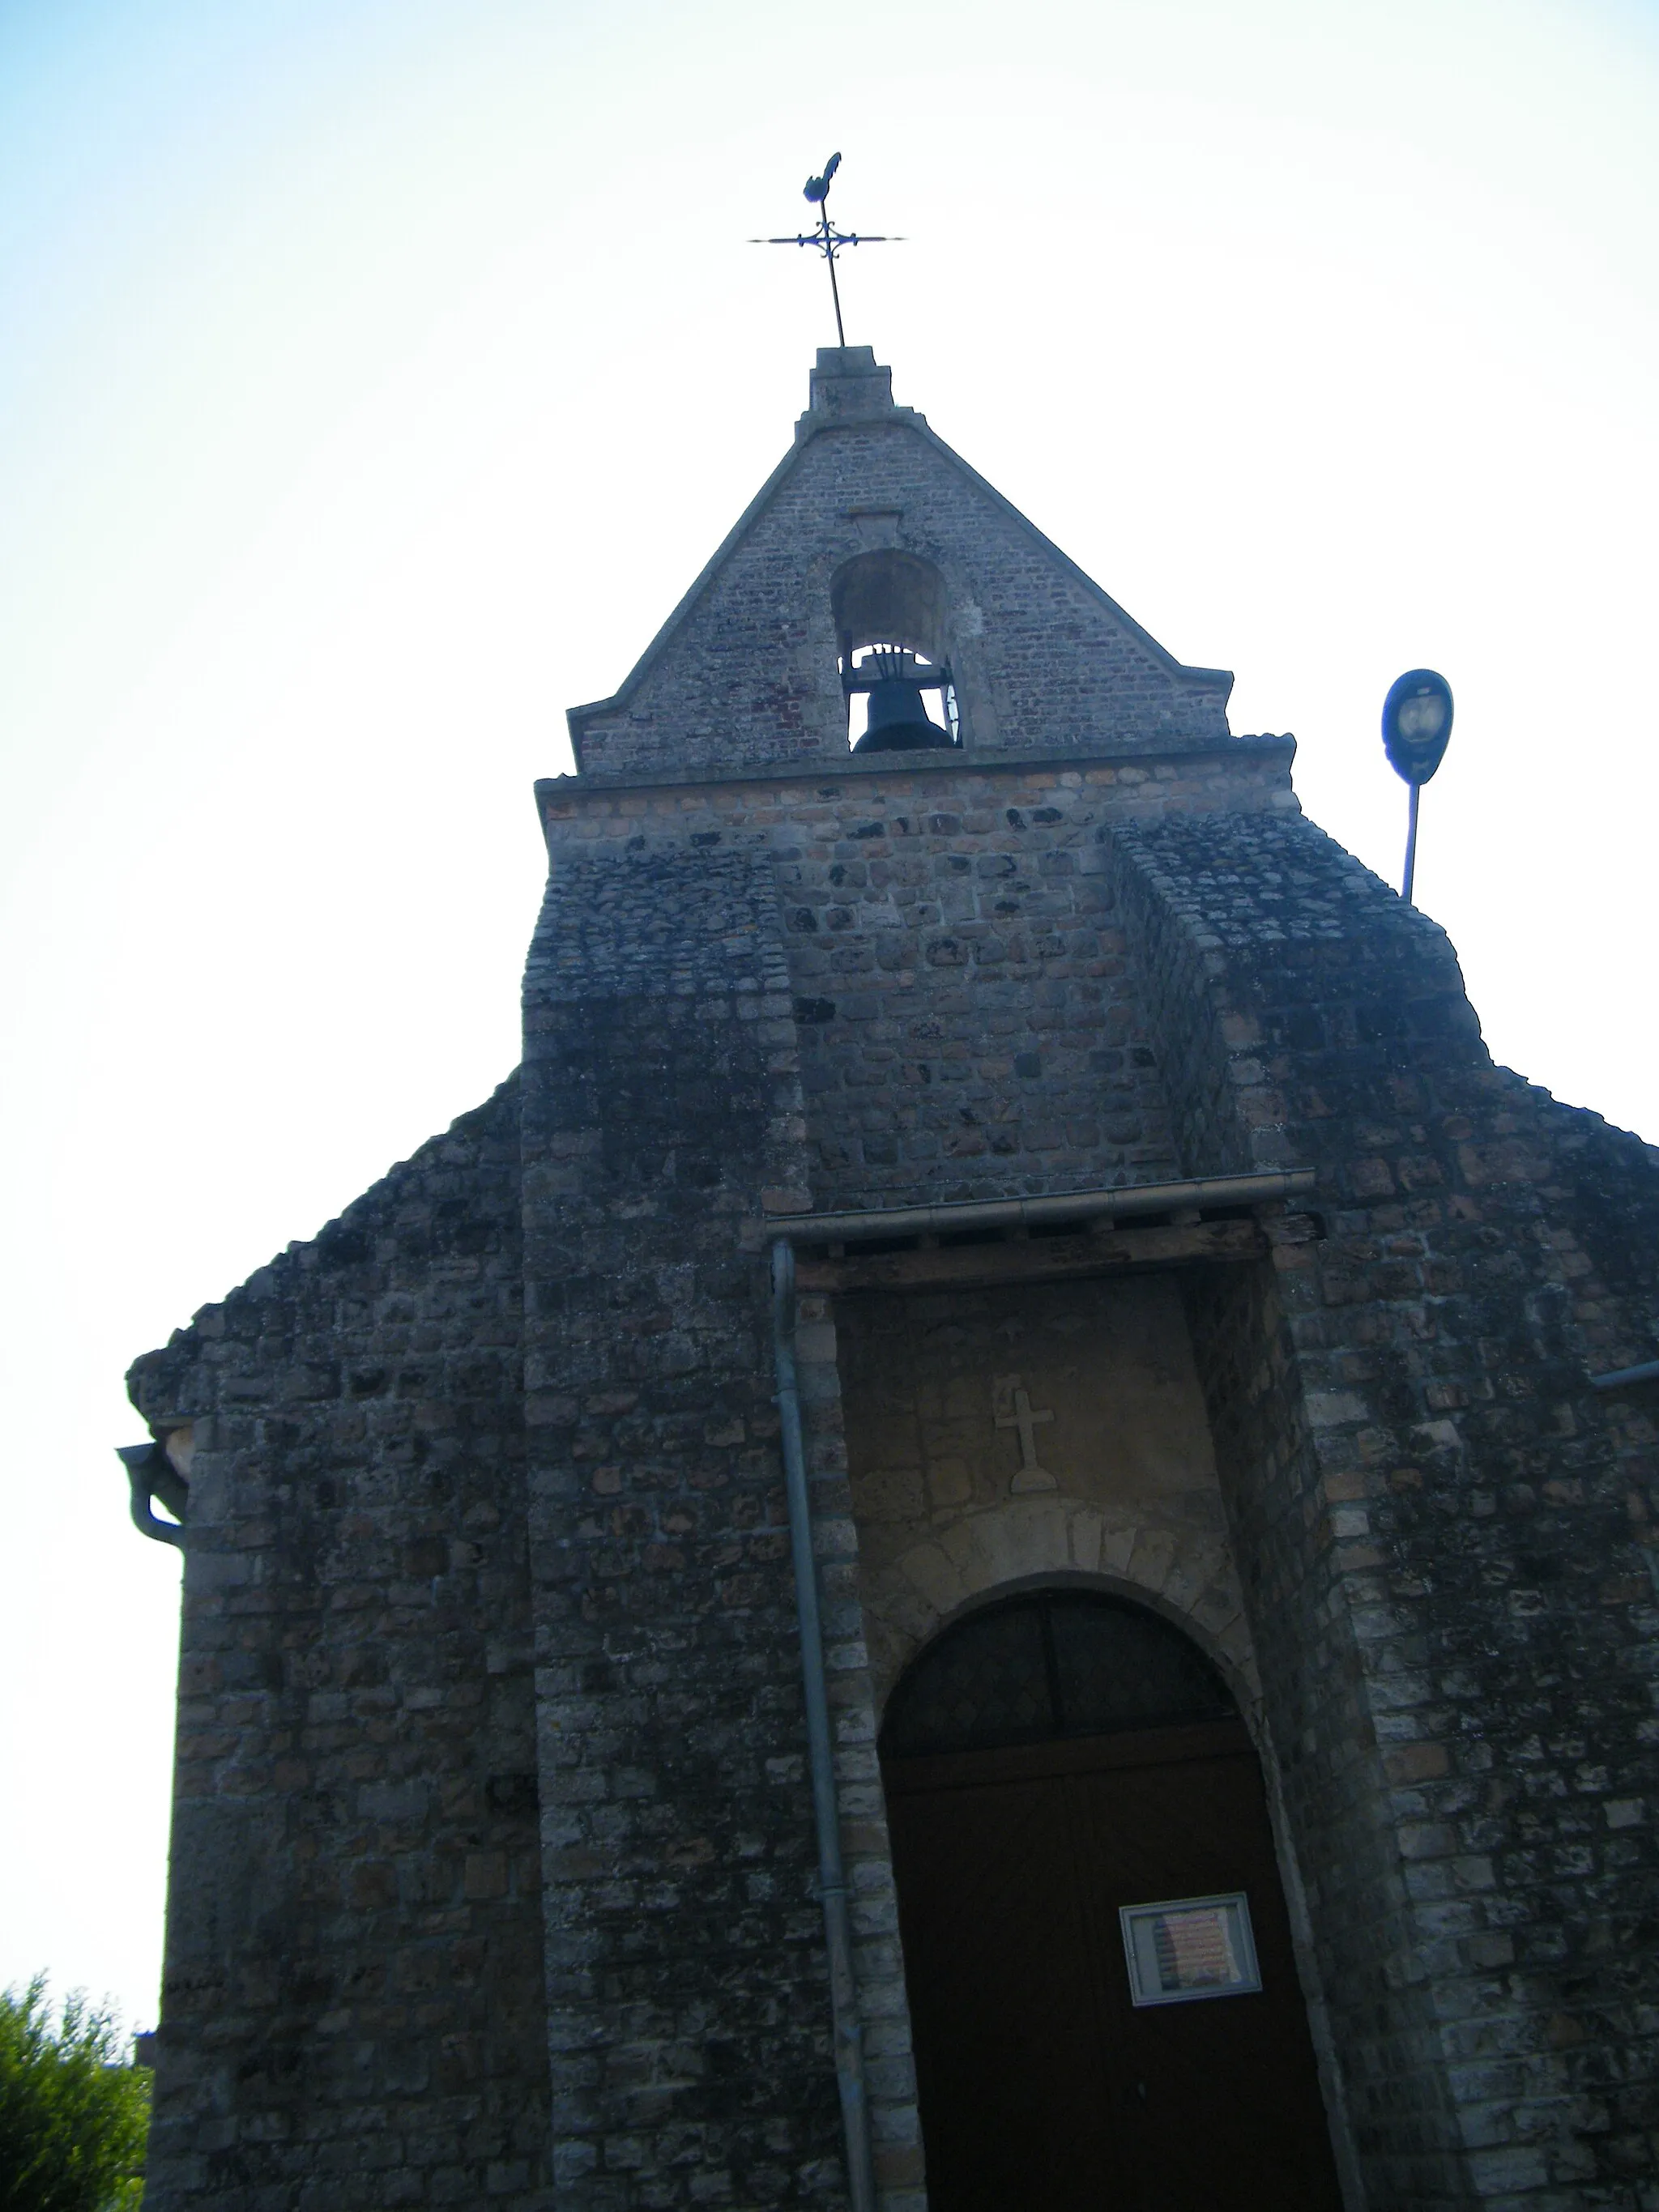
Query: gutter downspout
1621	1377
150	1474
832	1879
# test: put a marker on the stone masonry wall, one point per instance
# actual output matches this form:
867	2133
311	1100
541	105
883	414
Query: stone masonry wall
746	674
688	1991
678	1029
967	1017
926	1382
352	2011
1442	1525
968	1021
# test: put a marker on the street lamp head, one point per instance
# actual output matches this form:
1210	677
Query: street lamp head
1416	720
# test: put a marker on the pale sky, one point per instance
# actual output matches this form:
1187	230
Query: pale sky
375	374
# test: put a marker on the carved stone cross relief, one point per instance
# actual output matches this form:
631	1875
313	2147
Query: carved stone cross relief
1014	1411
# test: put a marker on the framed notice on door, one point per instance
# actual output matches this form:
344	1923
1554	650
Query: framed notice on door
1189	1947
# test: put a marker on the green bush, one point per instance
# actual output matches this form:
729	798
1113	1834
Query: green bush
73	2113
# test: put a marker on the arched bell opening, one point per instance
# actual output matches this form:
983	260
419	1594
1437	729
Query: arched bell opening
890	611
1098	1953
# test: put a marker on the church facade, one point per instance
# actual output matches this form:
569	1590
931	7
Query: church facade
963	1551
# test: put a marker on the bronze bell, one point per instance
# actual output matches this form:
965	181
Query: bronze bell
899	722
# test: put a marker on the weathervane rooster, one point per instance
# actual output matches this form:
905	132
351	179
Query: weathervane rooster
828	240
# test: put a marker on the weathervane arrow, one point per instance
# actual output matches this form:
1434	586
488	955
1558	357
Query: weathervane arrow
828	240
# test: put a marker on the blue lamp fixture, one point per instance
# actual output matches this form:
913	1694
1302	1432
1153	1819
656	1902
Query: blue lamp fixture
1416	720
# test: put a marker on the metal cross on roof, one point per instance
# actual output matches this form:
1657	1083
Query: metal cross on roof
828	240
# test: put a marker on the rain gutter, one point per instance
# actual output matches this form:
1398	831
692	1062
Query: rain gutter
1122	1202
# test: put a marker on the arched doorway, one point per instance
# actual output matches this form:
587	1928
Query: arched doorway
1098	1953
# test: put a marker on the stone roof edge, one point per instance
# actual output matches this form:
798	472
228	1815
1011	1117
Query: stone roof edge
348	1217
1589	1117
1078	575
1265	748
576	717
904	419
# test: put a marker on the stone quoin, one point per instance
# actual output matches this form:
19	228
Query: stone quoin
1194	1337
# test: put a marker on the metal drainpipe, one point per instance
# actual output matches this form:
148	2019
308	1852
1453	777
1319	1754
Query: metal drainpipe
832	1880
1621	1377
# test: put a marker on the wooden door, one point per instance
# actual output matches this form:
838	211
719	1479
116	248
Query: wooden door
1041	2084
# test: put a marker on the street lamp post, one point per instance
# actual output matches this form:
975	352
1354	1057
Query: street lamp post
1416	720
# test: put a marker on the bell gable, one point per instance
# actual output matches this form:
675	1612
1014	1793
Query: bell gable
872	532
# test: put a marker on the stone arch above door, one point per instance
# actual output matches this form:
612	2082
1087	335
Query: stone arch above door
1186	1574
1019	1433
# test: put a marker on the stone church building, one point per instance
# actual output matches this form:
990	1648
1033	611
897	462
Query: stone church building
964	1550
